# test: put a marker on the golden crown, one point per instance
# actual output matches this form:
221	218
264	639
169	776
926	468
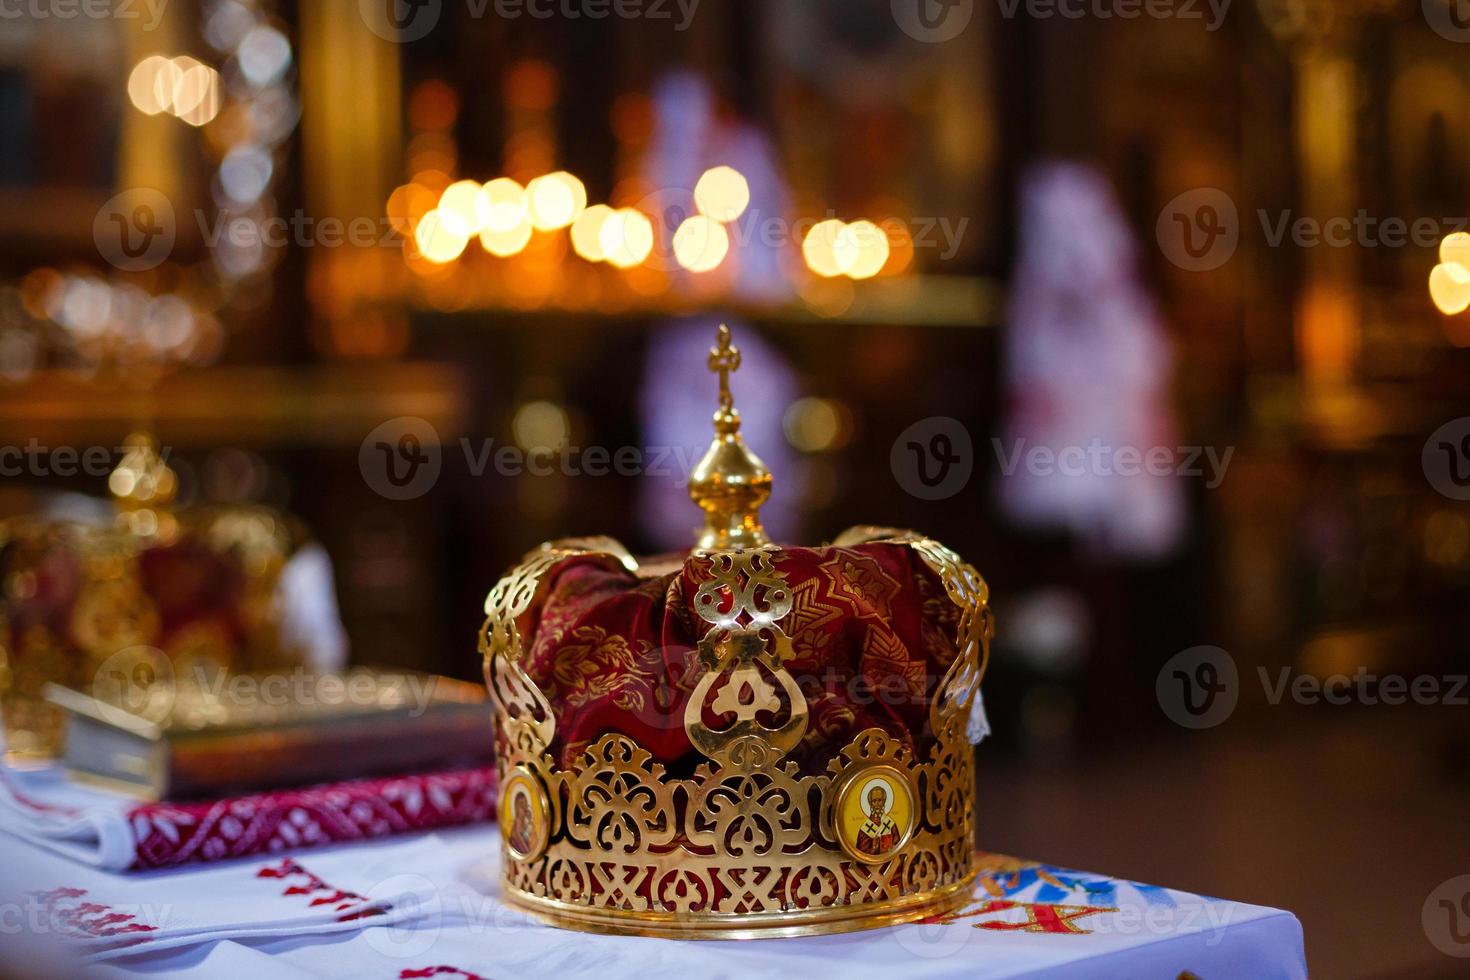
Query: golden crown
745	846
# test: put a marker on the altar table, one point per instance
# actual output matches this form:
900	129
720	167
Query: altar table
425	906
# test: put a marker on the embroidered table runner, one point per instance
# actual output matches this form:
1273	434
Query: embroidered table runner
441	918
118	834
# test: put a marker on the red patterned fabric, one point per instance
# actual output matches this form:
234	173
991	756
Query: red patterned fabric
872	634
176	833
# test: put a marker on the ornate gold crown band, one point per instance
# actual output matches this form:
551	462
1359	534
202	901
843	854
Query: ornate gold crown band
747	846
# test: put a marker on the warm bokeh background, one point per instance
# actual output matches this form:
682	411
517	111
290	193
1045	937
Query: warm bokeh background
1056	198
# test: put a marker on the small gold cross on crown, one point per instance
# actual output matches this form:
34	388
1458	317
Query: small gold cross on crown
724	357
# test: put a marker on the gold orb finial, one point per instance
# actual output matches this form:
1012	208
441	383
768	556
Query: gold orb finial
730	482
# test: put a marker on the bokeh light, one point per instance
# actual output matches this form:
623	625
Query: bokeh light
264	55
824	252
863	247
245	173
151	84
722	194
196	96
407	205
503	205
463	198
540	426
505	242
627	237
1449	287
1455	249
587	232
700	243
555	200
441	236
816	425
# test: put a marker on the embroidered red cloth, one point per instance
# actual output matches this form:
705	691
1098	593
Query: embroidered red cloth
174	833
119	834
871	627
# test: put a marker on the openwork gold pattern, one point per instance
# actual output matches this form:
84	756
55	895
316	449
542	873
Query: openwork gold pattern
746	846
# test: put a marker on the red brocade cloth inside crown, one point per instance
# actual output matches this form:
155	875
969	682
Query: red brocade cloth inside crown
872	633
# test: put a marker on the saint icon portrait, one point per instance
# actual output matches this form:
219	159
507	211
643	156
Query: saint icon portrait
523	816
875	813
520	824
879	834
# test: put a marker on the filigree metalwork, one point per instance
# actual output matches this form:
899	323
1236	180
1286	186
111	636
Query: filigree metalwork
744	658
745	846
525	715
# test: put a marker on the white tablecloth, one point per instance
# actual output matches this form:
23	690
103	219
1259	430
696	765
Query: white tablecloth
444	920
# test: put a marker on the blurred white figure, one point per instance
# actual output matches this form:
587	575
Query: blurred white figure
1087	365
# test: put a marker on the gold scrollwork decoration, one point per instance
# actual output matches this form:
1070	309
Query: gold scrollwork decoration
525	714
743	656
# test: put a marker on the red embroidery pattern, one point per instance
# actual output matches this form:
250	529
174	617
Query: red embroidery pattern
78	919
350	904
175	833
1040	917
433	971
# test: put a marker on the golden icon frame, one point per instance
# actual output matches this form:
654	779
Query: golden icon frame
849	783
540	813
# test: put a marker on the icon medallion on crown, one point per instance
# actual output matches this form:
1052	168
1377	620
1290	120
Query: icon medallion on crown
754	740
